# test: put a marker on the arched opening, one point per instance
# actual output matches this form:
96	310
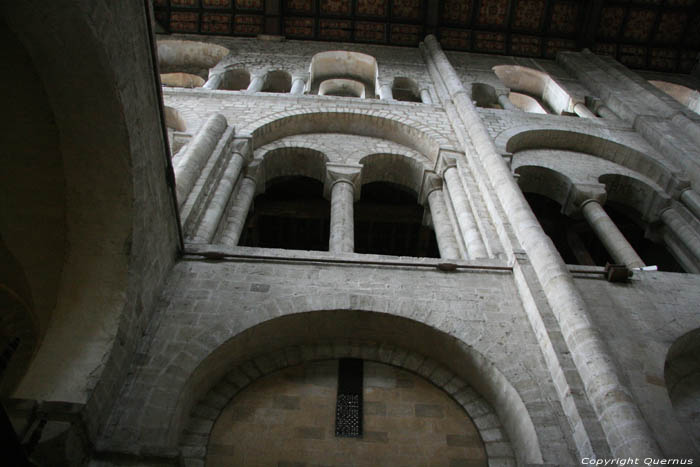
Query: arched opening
277	81
389	221
287	418
291	214
535	84
485	96
341	64
181	80
682	375
235	80
189	57
526	103
405	89
341	88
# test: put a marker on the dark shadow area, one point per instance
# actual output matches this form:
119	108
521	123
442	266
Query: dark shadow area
291	214
388	221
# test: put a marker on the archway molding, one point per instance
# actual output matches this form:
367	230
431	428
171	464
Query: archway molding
666	176
407	132
305	320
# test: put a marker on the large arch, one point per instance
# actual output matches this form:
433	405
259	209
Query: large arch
415	135
335	320
535	83
519	139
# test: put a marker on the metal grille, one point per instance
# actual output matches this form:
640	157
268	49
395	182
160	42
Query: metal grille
348	407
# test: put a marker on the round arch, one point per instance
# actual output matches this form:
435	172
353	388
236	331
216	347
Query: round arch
393	168
408	133
519	139
544	181
294	160
308	320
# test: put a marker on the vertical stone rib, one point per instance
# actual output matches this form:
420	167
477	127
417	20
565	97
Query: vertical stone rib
196	155
342	238
465	217
608	233
682	230
691	200
447	243
217	205
238	212
624	427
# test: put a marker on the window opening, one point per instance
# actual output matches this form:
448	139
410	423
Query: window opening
389	221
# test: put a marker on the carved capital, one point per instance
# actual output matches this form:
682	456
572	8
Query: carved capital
243	146
447	158
343	173
581	193
431	182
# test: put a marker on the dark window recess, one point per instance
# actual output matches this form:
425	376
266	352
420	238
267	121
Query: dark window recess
389	221
291	214
348	406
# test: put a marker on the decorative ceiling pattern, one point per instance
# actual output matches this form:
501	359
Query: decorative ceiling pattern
661	35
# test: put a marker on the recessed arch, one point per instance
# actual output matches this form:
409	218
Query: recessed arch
276	326
236	79
394	168
405	89
342	88
544	181
485	96
412	134
518	139
181	80
345	65
535	83
292	161
277	81
526	103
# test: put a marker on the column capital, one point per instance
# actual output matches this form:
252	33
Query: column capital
243	146
431	182
447	158
303	75
581	194
348	173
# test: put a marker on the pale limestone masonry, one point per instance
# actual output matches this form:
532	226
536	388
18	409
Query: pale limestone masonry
160	360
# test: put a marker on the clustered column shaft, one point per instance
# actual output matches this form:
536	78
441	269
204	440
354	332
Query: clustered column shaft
447	243
465	217
615	243
626	430
682	230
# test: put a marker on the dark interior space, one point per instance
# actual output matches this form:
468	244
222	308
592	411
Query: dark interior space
388	221
291	214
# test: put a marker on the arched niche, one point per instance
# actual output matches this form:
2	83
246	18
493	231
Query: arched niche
405	89
319	335
341	88
236	79
189	57
340	64
277	81
685	96
393	168
181	80
544	181
536	84
485	96
682	375
292	161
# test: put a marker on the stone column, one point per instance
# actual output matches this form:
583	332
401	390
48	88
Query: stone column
605	112
425	96
608	233
626	430
463	212
691	200
190	164
298	83
214	81
444	233
242	154
256	83
385	92
238	212
582	111
506	103
682	230
341	181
